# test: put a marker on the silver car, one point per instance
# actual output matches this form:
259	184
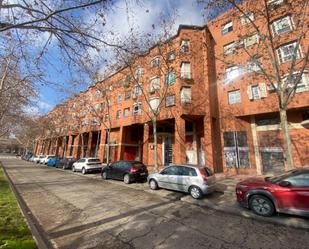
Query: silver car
194	180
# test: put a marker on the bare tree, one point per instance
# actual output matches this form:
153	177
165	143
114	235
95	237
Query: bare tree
266	58
100	111
154	91
16	91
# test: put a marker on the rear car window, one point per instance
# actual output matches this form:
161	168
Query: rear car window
138	165
207	171
94	160
186	171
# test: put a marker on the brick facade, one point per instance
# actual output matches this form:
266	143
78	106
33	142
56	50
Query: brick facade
206	119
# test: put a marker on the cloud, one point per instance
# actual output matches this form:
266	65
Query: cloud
38	108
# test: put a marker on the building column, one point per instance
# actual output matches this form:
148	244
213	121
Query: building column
76	146
256	147
209	144
89	145
102	144
146	144
121	146
36	147
57	146
69	146
179	148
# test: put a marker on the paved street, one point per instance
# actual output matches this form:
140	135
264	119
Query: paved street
75	211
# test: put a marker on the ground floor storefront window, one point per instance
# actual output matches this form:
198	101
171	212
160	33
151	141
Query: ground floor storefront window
236	150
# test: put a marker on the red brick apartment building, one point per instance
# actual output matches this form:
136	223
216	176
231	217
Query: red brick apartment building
215	112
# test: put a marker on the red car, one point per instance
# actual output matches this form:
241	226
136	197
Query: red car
286	193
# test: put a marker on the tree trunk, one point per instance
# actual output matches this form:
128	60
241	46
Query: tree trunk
97	144
155	144
82	137
108	141
65	147
286	139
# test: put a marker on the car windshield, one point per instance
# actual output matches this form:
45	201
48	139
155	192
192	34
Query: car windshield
94	160
279	178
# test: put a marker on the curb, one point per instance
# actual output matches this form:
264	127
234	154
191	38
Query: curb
37	231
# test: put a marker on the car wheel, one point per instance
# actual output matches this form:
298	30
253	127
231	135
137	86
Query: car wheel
73	168
195	192
84	171
126	179
104	176
153	184
261	205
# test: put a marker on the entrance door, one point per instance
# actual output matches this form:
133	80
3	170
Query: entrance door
167	150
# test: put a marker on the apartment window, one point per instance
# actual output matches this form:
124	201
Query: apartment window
171	56
275	3
301	82
127	95
185	71
96	107
137	90
154	84
118	114
154	104
185	46
257	91
234	97
286	52
137	109
226	28
106	118
81	102
94	121
232	73
126	112
98	93
251	40
74	105
155	62
282	25
186	95
170	78
139	72
246	19
108	102
229	48
254	64
102	106
119	98
261	121
170	100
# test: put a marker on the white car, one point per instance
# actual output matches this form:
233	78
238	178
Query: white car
37	159
87	164
45	159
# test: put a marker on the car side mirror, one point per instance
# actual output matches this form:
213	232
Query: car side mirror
284	184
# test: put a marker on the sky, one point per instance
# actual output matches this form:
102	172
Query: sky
143	15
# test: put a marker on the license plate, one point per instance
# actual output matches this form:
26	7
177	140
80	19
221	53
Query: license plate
142	174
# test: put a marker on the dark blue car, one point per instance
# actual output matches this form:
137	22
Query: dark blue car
52	162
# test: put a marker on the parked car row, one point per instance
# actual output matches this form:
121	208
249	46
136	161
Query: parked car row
286	193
